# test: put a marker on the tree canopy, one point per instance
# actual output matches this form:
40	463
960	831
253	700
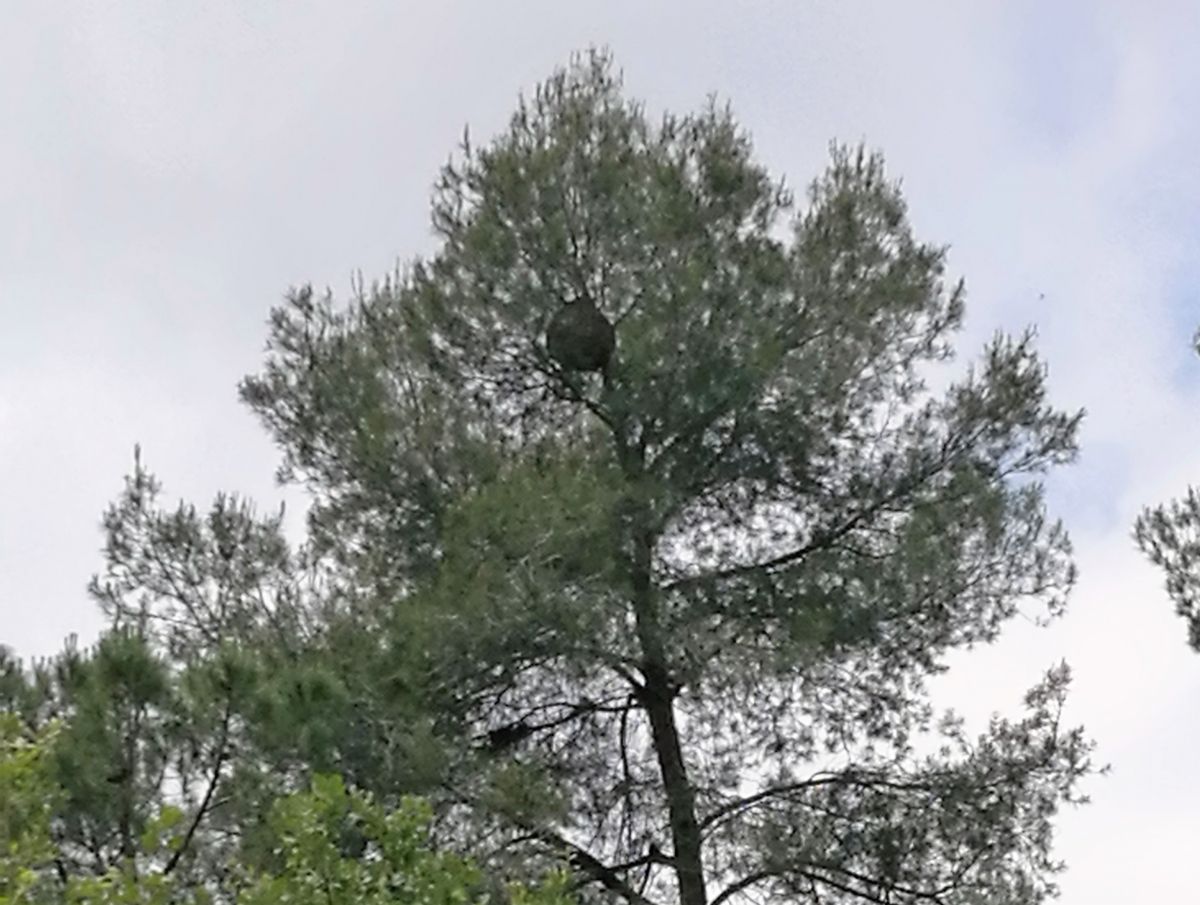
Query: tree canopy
670	626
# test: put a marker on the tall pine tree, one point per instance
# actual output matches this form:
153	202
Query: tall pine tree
664	609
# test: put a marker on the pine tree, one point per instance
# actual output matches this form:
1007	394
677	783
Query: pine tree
670	625
681	619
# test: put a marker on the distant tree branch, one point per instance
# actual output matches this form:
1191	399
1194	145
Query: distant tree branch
821	540
206	803
743	884
589	864
847	778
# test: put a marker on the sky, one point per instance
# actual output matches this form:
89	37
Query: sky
167	171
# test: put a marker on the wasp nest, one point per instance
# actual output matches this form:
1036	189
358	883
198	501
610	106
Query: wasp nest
580	338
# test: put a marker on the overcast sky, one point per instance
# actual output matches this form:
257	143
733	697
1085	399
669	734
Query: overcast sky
167	170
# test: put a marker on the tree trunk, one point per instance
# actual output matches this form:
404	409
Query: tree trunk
658	697
681	802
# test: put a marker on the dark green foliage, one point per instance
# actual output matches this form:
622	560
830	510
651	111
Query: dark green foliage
697	602
672	627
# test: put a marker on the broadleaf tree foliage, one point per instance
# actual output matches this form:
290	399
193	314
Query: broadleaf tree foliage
667	621
1170	535
327	844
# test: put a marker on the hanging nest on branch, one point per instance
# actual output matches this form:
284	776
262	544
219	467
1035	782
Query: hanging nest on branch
580	338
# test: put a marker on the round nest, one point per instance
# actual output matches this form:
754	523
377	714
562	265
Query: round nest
580	338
